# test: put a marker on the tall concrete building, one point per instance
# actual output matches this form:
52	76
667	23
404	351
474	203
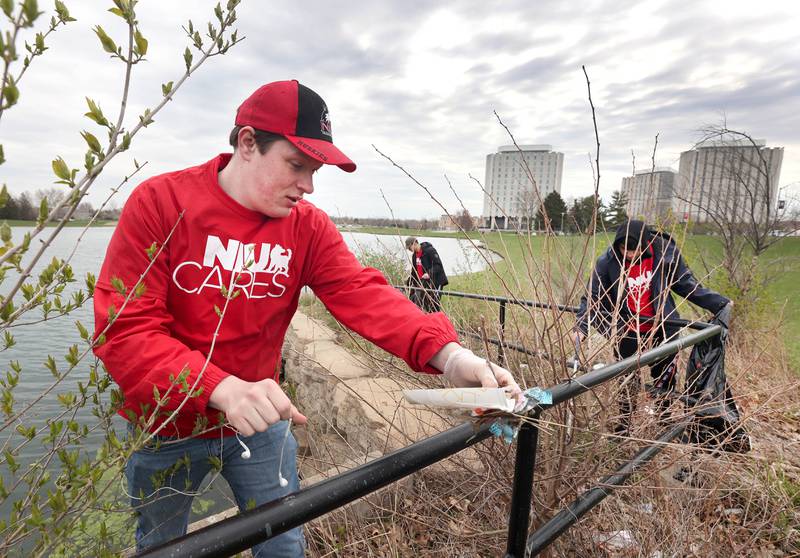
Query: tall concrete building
734	180
649	193
510	199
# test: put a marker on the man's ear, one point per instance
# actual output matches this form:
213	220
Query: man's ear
246	142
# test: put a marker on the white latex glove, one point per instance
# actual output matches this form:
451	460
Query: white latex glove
426	276
464	368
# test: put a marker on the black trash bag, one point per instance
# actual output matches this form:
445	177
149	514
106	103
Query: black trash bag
718	423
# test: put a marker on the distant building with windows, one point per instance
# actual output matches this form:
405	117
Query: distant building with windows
452	221
649	193
509	199
730	179
734	180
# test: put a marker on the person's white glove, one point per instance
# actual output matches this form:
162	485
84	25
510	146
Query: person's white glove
464	368
426	276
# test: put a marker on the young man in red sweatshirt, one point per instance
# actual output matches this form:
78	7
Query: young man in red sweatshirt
630	300
200	280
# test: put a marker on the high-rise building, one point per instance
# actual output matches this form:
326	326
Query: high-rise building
733	180
649	193
510	199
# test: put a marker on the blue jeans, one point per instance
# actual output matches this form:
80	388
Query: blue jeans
159	476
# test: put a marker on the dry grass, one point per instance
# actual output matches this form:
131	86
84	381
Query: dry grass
730	504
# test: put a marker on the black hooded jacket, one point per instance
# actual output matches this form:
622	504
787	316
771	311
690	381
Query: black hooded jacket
670	274
431	264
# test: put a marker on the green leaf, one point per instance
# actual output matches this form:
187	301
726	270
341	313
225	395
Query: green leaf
118	12
2	155
61	169
166	88
63	12
72	356
8	7
50	364
118	285
139	290
108	43
43	211
28	432
10	92
40	48
31	10
91	280
187	57
151	251
145	118
82	330
95	113
5	232
126	141
3	196
141	42
88	161
92	142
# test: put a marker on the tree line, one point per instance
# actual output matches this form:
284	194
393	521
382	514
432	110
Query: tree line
579	217
25	206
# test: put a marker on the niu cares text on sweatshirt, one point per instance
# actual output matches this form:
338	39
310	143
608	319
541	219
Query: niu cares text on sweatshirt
202	242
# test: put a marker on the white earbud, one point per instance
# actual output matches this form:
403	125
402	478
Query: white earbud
246	452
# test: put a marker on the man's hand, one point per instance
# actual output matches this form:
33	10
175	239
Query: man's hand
463	368
252	407
425	276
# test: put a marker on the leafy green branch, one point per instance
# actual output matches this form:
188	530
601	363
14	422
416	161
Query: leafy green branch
224	38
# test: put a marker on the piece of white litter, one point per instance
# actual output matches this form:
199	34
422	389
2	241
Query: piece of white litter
617	540
462	398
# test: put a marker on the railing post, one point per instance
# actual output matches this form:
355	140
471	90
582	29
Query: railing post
501	353
522	490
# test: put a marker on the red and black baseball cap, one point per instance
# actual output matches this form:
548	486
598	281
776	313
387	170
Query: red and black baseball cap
293	110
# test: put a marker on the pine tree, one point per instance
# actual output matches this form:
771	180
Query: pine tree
555	209
615	213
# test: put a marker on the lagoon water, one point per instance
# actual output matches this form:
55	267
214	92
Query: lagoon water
54	337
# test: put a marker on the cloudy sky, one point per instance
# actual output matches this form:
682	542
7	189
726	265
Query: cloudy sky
421	81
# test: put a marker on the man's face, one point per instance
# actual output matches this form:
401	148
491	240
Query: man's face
277	180
414	247
629	255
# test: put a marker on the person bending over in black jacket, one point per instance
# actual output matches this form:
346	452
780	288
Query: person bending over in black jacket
427	272
630	292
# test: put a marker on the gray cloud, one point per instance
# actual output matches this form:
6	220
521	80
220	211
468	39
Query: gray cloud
357	55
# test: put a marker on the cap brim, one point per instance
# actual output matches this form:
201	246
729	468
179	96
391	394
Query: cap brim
323	151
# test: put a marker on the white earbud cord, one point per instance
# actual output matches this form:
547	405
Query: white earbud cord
282	481
246	454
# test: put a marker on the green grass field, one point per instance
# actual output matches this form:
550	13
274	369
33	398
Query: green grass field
781	266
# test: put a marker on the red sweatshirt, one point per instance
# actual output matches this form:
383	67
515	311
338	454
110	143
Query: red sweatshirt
640	292
265	261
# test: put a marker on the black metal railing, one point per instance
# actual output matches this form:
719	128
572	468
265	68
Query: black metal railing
240	532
